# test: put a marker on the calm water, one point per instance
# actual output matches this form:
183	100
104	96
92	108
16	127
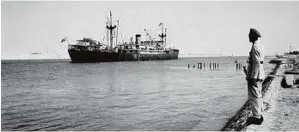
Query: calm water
149	95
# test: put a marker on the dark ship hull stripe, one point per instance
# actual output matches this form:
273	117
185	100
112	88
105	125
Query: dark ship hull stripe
98	56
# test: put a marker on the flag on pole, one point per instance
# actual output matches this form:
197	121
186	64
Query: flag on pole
64	39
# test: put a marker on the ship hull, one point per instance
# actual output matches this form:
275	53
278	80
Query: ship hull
100	56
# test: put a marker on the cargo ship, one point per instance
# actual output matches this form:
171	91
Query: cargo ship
90	50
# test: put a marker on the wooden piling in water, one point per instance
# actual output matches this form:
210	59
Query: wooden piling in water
238	66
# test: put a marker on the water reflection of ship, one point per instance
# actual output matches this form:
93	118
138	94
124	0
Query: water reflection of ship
89	50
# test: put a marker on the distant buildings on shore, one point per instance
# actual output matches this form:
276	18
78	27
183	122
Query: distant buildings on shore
292	53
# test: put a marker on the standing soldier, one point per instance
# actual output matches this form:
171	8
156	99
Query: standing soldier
255	77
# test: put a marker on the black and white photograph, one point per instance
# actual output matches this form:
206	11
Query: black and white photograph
149	65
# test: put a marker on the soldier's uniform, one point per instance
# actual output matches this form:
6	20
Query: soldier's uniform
255	77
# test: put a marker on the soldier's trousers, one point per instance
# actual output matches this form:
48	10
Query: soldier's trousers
255	97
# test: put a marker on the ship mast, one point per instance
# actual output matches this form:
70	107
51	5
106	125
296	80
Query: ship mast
117	32
163	35
165	39
111	27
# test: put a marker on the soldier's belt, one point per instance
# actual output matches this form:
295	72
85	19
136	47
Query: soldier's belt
260	62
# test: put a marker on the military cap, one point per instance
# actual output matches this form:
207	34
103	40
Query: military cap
254	32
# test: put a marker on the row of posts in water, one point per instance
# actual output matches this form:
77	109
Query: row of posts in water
203	66
212	66
239	66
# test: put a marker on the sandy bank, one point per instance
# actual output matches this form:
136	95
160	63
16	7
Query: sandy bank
271	87
284	116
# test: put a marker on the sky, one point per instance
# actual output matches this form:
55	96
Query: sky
194	27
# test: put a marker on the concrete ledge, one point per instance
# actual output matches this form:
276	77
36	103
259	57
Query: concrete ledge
294	71
277	61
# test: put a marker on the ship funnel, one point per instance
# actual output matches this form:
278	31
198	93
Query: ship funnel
138	39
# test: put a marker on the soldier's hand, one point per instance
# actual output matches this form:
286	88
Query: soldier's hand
247	78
